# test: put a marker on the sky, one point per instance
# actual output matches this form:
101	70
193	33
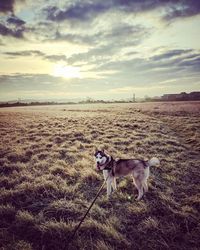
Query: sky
75	49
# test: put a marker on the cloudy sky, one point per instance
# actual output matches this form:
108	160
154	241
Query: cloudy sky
108	49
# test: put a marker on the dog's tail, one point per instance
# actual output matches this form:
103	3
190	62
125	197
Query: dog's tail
154	161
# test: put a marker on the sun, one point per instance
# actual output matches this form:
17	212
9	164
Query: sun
61	70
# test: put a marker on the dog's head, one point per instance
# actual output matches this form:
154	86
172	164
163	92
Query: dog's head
101	158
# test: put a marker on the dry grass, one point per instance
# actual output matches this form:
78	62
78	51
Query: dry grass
48	177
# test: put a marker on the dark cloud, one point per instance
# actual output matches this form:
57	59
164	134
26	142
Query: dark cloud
53	58
12	26
8	5
15	21
177	59
14	32
181	9
82	10
25	53
184	61
139	6
124	30
170	54
193	63
174	9
75	38
87	10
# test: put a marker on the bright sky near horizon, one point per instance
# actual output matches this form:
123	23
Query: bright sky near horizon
100	49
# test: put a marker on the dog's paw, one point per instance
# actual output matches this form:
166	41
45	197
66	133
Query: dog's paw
138	198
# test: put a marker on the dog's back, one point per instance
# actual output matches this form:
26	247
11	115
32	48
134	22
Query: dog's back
128	166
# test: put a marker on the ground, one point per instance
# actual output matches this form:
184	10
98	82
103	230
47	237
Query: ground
48	176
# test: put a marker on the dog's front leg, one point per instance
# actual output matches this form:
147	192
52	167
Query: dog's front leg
109	187
108	182
105	174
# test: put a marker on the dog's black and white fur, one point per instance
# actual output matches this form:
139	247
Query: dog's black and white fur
139	169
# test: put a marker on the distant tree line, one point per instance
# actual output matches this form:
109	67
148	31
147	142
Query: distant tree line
90	100
22	104
193	96
87	101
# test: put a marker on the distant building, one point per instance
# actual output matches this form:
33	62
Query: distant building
195	95
183	96
169	97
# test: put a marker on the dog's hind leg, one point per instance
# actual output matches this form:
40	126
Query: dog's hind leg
145	186
139	187
114	184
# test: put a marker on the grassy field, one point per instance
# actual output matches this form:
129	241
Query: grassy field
48	176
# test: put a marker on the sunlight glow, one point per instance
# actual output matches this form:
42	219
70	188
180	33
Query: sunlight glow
61	70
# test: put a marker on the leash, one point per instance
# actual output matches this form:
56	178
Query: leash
77	228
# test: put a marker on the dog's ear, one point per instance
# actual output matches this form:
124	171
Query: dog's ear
102	150
105	151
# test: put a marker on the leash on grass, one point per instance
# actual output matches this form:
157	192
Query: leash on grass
76	229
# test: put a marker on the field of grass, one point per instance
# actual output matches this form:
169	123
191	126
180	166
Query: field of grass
48	177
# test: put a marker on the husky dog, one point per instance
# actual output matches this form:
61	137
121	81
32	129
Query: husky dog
112	168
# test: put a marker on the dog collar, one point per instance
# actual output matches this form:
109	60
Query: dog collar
109	165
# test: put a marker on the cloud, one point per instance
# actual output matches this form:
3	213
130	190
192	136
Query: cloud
15	21
170	54
8	5
96	46
83	11
55	58
34	85
80	13
174	9
178	60
14	32
38	53
1	43
75	38
25	53
193	64
182	9
114	40
20	82
140	70
27	86
88	10
12	26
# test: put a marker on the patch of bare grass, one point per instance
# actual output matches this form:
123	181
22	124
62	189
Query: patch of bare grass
48	177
